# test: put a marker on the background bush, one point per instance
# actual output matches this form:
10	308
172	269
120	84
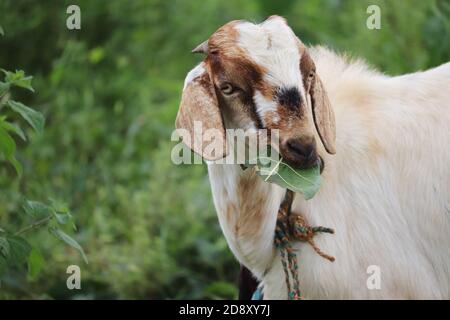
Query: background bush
110	93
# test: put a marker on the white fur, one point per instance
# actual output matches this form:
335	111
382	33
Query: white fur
272	45
265	106
386	192
194	73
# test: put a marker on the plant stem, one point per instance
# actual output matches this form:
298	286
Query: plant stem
34	225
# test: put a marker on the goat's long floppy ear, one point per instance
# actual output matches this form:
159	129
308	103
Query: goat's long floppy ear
322	111
323	115
199	121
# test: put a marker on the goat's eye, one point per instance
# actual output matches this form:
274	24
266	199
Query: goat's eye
227	88
311	75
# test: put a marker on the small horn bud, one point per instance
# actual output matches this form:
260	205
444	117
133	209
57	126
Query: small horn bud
201	48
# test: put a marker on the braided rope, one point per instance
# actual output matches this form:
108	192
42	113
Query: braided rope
289	228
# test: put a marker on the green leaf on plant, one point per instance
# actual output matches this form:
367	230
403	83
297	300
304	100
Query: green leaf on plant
18	79
2	32
35	264
7	144
12	127
17	165
59	206
34	118
19	250
4	87
37	209
8	147
273	169
58	233
63	218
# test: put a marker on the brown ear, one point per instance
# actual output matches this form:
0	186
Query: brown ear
199	121
323	115
322	111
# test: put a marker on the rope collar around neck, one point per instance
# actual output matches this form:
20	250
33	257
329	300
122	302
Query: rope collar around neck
289	228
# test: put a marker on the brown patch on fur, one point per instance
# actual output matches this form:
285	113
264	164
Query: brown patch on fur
231	212
266	90
199	103
269	119
227	62
307	67
323	114
251	205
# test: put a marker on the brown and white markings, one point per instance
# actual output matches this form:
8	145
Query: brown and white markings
383	142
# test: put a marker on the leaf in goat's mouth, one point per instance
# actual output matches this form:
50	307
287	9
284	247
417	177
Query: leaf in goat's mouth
274	170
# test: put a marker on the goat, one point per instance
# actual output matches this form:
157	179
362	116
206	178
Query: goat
384	152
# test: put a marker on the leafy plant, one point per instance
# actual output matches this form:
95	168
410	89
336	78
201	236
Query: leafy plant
34	118
15	249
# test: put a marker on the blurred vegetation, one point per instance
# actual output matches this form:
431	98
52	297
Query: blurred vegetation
110	93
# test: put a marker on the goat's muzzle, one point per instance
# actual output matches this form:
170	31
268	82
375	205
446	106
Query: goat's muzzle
299	153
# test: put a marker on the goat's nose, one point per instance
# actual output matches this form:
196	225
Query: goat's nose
299	149
300	153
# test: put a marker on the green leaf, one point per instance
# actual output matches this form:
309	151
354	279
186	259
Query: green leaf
12	127
8	147
273	169
37	209
62	212
17	165
19	250
34	118
4	87
63	218
58	233
2	32
59	206
18	79
7	144
35	264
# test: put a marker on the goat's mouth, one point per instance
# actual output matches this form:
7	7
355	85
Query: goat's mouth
306	165
321	164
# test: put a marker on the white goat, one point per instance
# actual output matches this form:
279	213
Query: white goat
386	191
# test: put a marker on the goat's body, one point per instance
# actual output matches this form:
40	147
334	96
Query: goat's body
386	192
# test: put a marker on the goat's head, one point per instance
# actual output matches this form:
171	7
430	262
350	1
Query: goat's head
259	76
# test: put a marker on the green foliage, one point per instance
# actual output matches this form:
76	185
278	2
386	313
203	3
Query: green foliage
68	239
34	118
18	79
110	93
16	252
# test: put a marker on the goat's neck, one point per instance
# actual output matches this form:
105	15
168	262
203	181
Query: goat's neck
247	208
